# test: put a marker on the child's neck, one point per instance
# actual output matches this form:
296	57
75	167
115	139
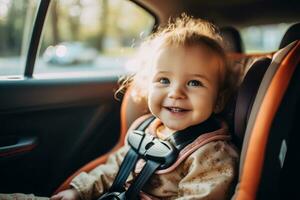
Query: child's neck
163	132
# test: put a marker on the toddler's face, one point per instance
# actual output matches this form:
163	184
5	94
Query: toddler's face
184	86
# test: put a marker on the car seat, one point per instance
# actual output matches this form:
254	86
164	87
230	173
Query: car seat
257	105
266	140
232	40
271	178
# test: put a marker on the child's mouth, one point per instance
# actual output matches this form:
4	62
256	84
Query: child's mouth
176	109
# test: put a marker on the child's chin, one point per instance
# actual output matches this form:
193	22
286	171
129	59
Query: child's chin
175	127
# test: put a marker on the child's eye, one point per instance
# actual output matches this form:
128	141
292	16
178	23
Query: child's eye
164	81
194	83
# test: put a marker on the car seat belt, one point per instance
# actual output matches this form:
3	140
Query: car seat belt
159	154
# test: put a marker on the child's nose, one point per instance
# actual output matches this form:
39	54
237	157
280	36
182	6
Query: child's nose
176	92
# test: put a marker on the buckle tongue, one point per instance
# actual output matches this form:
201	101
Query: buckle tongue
150	148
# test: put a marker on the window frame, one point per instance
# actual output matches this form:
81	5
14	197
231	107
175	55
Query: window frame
35	40
36	37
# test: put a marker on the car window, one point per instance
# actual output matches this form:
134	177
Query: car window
16	22
91	36
263	38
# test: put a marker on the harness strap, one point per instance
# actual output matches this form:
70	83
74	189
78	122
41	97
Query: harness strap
125	169
139	182
128	162
181	139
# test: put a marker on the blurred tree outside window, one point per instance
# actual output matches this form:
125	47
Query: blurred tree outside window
16	22
91	36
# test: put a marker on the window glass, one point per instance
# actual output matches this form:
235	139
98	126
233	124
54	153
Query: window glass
91	36
16	22
264	38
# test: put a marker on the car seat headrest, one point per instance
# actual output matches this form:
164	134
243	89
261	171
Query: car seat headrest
232	39
292	34
246	95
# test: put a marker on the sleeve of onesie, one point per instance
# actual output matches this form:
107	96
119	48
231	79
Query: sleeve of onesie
209	172
93	184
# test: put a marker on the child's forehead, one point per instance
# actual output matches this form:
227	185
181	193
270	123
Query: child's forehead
193	55
188	61
173	50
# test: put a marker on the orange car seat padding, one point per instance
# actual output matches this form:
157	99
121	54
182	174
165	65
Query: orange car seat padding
254	156
124	124
132	109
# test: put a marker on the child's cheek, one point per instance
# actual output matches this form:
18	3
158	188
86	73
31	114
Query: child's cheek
154	102
151	102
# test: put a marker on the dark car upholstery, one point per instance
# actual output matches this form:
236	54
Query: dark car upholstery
292	34
232	39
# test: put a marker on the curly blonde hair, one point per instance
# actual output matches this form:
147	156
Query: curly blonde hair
184	31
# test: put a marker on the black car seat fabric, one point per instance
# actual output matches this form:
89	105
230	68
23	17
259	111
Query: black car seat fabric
232	40
246	95
259	128
292	34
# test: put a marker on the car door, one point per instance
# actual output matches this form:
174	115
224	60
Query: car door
59	67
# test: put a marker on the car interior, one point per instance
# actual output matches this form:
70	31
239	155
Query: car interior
53	129
232	39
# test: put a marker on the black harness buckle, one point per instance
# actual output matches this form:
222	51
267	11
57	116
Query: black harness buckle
150	148
158	154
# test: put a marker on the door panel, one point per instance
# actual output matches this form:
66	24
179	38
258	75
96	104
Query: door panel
65	123
50	127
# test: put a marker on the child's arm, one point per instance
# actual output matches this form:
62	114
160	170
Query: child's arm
98	181
210	172
20	196
70	194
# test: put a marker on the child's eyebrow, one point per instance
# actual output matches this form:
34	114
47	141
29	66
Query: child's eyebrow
162	72
200	76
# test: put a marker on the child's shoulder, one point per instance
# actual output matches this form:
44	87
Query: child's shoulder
218	147
215	153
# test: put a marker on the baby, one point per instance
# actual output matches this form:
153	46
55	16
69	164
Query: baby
185	80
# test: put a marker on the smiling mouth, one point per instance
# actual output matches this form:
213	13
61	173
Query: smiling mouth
176	109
